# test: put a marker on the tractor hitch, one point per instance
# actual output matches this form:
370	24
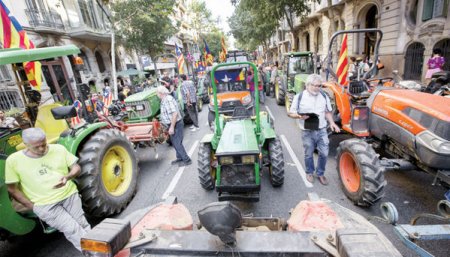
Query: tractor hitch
396	164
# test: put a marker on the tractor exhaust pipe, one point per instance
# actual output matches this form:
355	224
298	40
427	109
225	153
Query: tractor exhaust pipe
397	164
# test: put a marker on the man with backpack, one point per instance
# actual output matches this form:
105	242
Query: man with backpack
313	109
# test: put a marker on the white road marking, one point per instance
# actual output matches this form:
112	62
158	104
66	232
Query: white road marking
270	113
177	176
299	166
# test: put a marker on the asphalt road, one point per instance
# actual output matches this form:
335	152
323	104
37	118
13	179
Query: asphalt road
410	191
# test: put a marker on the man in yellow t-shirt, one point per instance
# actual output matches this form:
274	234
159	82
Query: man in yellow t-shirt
39	178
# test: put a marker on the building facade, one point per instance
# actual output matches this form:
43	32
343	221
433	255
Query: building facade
411	30
82	23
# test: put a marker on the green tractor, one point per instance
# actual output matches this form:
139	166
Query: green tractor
296	68
232	158
108	178
143	106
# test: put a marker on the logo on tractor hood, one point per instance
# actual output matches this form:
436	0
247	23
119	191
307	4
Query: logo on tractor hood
381	111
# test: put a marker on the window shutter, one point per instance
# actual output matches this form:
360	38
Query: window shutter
427	10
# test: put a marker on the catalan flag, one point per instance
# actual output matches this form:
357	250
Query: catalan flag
180	59
342	67
76	120
12	35
208	56
223	53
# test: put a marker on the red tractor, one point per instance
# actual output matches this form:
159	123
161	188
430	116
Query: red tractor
394	129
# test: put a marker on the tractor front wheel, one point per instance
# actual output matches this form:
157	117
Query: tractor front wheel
360	173
109	170
276	167
206	173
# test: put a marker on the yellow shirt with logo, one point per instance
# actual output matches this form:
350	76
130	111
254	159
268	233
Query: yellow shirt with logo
37	176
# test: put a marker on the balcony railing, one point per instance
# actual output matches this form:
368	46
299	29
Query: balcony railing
50	19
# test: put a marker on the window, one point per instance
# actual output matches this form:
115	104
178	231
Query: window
4	74
10	99
87	12
101	64
434	9
440	127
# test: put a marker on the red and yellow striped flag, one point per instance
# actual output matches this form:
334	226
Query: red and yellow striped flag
12	35
342	67
180	59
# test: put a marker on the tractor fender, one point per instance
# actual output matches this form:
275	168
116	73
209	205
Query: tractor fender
342	101
72	143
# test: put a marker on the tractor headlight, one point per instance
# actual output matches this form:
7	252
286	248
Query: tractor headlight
247	99
434	142
106	239
248	159
140	107
226	160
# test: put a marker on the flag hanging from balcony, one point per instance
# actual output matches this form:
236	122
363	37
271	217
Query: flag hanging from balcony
180	59
342	67
223	53
12	35
208	56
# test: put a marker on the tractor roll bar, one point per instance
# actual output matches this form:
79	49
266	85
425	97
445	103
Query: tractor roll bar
354	31
256	105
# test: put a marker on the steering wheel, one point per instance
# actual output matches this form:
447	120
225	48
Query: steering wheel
380	81
237	87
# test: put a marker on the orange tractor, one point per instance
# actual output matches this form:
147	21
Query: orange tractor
409	130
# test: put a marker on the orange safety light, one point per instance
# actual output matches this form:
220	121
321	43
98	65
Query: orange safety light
356	114
95	246
78	60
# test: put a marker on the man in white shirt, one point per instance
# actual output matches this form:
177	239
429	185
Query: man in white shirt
316	103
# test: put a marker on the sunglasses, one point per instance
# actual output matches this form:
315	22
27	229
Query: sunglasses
318	86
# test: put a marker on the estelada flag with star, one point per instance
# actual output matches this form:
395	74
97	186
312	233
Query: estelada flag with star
12	35
180	59
208	56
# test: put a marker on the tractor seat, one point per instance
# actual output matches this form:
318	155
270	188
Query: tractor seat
240	113
64	112
52	127
358	89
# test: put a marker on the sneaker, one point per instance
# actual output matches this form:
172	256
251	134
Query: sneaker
310	178
197	128
323	180
185	163
176	161
191	127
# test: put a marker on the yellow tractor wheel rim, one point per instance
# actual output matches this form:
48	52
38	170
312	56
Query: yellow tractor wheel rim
117	170
288	104
276	91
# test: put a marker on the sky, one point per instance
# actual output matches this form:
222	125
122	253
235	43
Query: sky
222	9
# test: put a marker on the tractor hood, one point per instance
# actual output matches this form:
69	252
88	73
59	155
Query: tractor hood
238	137
231	96
299	82
144	95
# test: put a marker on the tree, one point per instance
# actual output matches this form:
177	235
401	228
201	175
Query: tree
143	25
201	20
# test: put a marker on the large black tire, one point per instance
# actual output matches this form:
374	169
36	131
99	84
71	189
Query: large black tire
276	167
103	198
206	173
279	93
360	173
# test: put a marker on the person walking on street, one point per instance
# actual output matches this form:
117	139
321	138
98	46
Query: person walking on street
189	94
273	76
171	119
313	109
40	177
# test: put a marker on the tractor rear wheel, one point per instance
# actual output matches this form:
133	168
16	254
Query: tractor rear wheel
279	94
206	173
361	175
109	170
276	167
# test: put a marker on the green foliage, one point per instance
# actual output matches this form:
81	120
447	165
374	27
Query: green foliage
143	25
254	21
213	39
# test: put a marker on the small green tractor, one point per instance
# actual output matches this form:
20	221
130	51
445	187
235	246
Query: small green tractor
143	106
232	158
296	68
109	170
